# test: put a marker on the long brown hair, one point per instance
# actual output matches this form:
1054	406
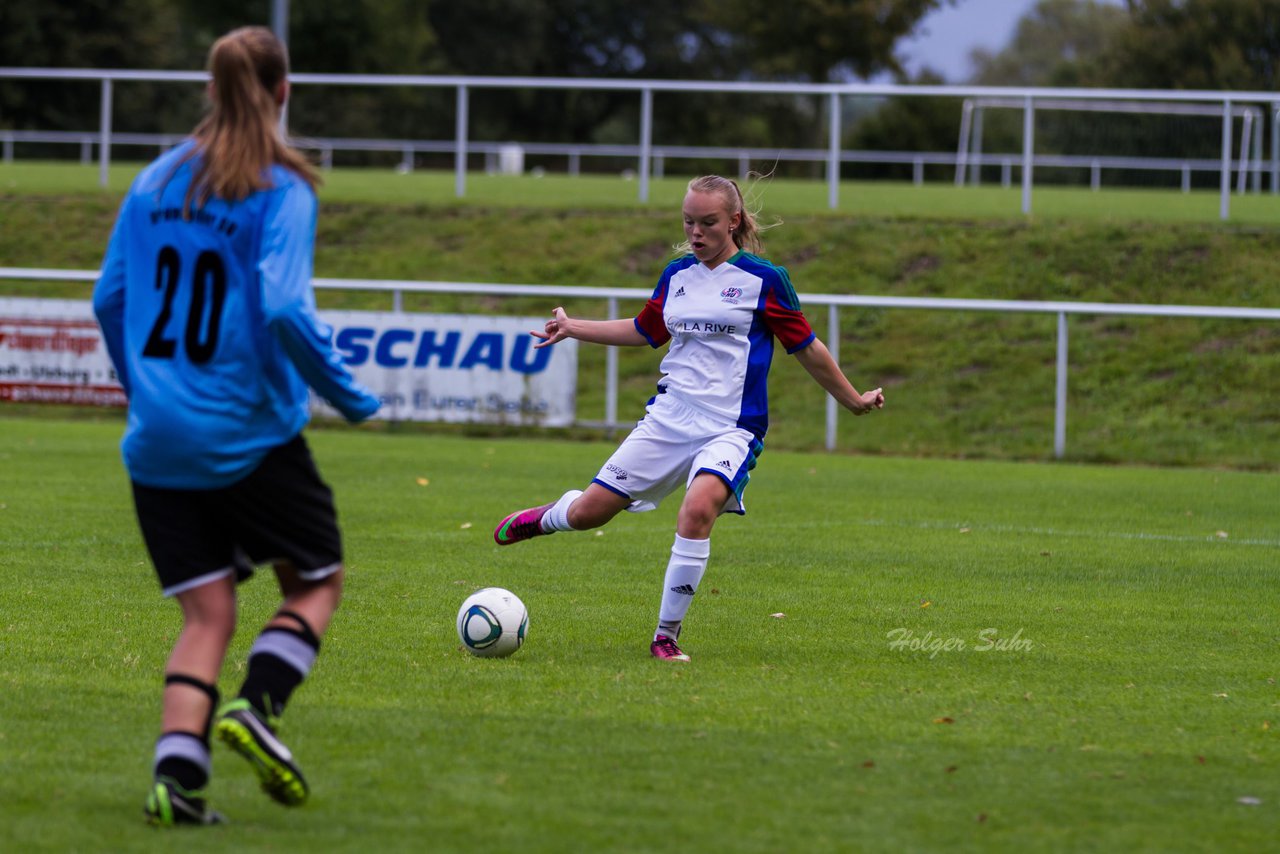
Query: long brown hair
239	139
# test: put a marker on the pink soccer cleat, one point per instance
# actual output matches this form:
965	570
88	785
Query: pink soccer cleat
665	647
521	525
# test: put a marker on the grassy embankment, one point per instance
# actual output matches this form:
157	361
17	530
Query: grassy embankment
958	384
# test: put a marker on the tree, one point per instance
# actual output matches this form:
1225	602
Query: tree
1197	44
367	37
1058	43
659	39
84	34
822	40
805	40
908	124
340	36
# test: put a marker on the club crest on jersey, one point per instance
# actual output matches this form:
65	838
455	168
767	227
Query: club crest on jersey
730	295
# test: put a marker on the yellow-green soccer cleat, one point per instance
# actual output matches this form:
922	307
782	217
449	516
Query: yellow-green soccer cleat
241	729
169	804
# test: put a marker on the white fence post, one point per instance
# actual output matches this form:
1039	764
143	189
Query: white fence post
460	145
1060	391
833	152
1246	131
646	140
104	134
975	152
1275	147
1255	165
1224	201
1028	151
962	147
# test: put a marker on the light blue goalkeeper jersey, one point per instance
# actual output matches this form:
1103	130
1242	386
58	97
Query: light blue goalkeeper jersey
211	325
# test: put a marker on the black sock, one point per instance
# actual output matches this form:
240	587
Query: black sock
280	659
269	684
184	758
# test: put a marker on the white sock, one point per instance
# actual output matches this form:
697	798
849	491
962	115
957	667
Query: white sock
557	518
684	572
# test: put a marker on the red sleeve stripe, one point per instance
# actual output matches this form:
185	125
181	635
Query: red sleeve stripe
651	324
788	324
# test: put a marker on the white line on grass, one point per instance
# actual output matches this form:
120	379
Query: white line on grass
1053	532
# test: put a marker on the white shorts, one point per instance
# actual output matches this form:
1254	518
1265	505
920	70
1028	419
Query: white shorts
672	445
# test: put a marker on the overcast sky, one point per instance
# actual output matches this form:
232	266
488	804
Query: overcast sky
945	37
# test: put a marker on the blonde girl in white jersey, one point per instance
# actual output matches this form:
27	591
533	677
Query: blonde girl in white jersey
721	306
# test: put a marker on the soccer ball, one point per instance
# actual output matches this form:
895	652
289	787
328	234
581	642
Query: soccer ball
492	623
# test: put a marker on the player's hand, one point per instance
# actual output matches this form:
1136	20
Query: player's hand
870	400
555	330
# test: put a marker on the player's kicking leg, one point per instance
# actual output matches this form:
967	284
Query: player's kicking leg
242	728
574	511
521	525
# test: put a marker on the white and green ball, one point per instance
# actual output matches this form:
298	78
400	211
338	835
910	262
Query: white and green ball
492	623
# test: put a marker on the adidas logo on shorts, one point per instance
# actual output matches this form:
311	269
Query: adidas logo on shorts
724	464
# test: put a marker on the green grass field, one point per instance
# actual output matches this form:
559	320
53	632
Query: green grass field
1131	704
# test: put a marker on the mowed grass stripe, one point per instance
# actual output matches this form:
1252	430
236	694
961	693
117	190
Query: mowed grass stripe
786	196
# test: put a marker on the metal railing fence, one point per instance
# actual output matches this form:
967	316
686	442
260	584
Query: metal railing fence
833	94
834	302
1249	170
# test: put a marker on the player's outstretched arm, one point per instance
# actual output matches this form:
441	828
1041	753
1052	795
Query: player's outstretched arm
309	344
817	360
621	332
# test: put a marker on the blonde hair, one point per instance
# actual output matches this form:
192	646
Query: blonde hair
239	139
747	233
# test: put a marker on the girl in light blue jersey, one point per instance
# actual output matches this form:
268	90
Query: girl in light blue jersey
207	311
721	306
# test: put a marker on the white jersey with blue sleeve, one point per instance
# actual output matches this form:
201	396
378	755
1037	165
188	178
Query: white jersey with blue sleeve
211	324
721	323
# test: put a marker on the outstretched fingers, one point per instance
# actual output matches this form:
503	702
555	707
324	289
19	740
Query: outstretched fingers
553	331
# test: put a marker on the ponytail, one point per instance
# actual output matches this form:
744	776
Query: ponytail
239	139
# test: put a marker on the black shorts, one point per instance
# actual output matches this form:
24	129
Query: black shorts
283	511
